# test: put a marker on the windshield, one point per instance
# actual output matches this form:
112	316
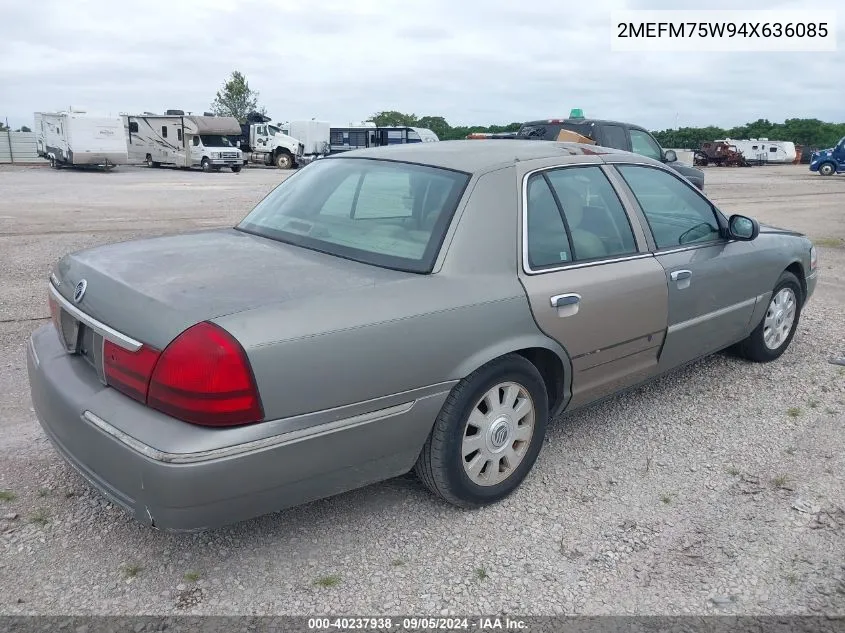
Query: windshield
550	131
216	140
273	130
378	212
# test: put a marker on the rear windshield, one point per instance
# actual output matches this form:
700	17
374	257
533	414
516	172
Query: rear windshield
385	213
549	131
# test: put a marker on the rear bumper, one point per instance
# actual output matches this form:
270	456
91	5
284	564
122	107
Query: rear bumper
181	477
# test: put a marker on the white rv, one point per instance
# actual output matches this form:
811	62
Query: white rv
762	150
74	138
209	142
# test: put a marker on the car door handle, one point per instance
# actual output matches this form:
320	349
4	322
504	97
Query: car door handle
562	301
680	275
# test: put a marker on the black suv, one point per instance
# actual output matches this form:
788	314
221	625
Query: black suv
624	136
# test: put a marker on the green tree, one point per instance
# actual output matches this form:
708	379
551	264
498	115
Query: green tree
24	128
236	98
3	127
388	118
436	124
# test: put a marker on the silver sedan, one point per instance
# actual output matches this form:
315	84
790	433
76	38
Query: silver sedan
427	307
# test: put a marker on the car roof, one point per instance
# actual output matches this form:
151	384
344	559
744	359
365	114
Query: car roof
475	156
552	121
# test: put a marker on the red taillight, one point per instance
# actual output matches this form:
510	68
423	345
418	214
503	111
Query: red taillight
129	372
204	377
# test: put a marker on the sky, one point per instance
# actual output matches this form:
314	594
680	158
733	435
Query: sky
470	61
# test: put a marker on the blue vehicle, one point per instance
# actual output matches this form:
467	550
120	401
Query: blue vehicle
829	161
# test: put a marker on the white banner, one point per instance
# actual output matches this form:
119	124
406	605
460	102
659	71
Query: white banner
724	31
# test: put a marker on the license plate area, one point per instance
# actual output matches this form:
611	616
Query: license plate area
70	329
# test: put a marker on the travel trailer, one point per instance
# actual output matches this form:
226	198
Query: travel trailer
762	150
320	138
74	138
174	138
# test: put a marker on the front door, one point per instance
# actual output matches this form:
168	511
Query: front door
710	278
591	283
195	150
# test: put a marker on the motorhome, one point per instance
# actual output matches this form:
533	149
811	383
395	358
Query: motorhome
762	150
185	141
75	138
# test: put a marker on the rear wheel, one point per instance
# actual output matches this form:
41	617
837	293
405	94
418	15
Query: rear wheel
150	162
827	169
488	434
775	331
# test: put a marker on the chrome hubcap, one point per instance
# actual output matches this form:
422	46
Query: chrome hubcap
497	434
779	319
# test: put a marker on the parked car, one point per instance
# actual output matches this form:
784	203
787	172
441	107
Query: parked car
624	136
428	306
828	162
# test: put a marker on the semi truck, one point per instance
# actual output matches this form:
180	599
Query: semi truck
265	144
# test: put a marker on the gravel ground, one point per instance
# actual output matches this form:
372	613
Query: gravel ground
718	489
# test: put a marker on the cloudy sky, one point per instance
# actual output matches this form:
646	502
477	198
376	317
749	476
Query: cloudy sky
471	61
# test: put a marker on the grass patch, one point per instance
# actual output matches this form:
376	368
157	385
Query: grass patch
733	471
813	403
70	494
780	481
666	498
7	495
326	582
829	242
131	570
397	562
792	578
41	517
793	412
481	574
790	450
192	576
44	492
830	411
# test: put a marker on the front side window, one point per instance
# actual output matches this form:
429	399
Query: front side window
196	141
643	144
676	214
378	212
593	223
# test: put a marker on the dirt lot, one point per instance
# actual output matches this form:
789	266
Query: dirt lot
719	489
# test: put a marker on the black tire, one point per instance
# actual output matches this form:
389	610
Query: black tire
284	160
236	168
440	464
827	169
206	165
150	162
754	347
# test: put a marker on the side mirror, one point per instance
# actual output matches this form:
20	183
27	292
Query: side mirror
670	156
743	228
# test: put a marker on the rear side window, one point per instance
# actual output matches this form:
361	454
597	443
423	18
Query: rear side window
614	136
574	214
384	213
133	127
676	214
164	131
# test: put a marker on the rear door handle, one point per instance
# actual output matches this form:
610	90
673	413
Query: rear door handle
679	275
563	301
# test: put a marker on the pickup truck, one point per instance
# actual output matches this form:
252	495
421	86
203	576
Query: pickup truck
624	136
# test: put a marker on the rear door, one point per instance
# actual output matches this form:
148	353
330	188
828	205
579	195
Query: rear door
711	280
590	280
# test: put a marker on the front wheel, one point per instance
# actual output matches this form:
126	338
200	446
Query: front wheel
206	165
775	331
284	160
827	169
488	434
236	168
